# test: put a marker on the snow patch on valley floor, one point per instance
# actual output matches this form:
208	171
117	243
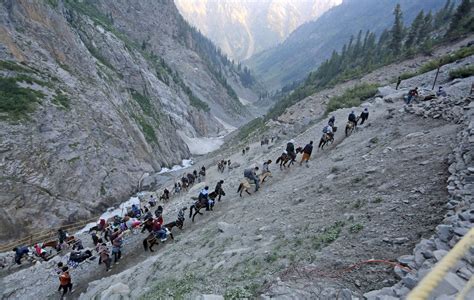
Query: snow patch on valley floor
111	212
186	163
202	145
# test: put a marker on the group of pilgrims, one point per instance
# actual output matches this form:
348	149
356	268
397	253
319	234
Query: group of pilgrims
108	235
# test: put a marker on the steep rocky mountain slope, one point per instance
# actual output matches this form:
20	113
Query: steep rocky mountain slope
312	43
95	94
307	233
243	28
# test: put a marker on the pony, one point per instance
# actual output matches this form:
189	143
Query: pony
286	158
165	196
244	186
350	126
326	139
200	204
151	239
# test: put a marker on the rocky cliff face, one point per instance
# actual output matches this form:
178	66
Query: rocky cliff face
102	87
243	28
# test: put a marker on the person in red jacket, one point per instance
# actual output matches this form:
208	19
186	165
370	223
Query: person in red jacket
158	231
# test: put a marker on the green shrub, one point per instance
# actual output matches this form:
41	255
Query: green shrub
446	59
462	72
329	235
378	199
61	100
174	288
352	97
17	101
356	228
12	66
250	127
143	101
237	293
147	130
198	103
407	75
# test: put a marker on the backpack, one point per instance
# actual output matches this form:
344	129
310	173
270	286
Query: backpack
325	129
247	173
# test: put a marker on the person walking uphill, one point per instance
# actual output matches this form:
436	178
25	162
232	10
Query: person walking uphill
399	80
117	242
364	115
65	283
104	254
219	191
308	149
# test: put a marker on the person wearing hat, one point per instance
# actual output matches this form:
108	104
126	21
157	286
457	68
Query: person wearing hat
364	115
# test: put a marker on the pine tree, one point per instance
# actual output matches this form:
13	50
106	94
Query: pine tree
425	28
357	46
397	31
414	30
442	16
460	16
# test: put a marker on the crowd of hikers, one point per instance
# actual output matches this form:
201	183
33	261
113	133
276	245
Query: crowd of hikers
108	235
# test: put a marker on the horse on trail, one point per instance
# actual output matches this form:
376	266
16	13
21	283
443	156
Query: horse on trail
326	139
350	126
151	239
244	186
286	158
200	204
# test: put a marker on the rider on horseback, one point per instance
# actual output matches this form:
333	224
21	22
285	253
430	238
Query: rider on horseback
328	134
252	175
352	118
266	170
290	149
331	121
158	231
204	198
